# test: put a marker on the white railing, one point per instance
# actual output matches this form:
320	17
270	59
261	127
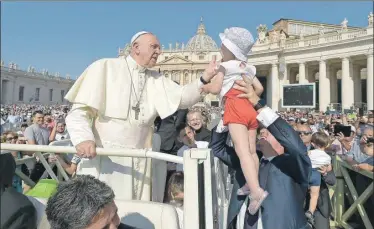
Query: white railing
191	159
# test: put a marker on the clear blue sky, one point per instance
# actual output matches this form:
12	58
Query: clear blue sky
66	37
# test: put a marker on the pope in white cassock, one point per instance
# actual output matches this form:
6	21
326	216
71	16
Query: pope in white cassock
115	102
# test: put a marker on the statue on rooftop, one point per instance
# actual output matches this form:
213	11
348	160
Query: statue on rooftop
370	19
283	38
344	24
321	30
261	32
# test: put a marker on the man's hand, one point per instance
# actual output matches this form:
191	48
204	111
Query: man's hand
246	87
324	169
211	70
362	166
86	149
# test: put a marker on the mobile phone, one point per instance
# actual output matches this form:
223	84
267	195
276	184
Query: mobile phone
369	140
346	130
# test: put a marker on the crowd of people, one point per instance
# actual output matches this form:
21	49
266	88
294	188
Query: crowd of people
189	129
284	159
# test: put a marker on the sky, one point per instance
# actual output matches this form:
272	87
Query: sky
66	37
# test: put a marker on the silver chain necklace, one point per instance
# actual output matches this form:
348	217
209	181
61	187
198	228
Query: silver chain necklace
136	108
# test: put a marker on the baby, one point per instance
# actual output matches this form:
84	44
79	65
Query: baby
319	158
239	114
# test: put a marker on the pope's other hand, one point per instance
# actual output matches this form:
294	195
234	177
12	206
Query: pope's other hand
86	149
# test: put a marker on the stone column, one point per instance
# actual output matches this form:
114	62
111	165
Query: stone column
369	82
275	87
333	85
302	78
269	92
328	84
347	85
357	84
324	96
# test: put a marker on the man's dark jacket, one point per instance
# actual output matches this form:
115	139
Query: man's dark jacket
166	128
17	211
202	135
285	177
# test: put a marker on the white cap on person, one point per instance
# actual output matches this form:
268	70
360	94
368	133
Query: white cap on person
137	35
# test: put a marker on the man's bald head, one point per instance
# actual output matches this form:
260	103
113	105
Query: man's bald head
145	50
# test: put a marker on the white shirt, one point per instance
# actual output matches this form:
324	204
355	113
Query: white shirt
319	158
233	72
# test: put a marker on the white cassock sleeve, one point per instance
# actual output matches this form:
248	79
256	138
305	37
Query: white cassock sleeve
79	123
190	94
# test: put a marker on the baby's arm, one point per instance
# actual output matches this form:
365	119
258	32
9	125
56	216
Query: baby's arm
215	86
257	86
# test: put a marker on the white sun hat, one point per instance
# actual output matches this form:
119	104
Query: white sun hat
239	41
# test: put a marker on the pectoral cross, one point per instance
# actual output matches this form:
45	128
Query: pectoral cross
136	109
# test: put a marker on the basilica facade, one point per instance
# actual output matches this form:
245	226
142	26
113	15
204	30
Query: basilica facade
337	58
29	86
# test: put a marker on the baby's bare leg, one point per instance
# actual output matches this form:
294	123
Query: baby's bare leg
239	135
252	150
252	134
314	194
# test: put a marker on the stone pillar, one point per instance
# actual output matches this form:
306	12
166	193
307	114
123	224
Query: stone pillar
333	85
275	87
357	84
302	78
328	84
369	82
268	89
347	84
324	95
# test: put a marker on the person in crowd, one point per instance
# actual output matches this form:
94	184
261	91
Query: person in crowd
239	115
323	210
305	133
124	117
12	138
196	121
352	146
84	203
59	132
17	211
362	182
319	158
23	128
175	194
166	129
285	175
186	136
36	134
366	147
48	121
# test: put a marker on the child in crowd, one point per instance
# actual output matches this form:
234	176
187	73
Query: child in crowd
175	193
239	114
319	158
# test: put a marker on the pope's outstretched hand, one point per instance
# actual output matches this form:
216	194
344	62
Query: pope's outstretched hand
86	149
211	70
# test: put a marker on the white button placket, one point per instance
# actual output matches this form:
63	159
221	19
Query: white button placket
142	94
